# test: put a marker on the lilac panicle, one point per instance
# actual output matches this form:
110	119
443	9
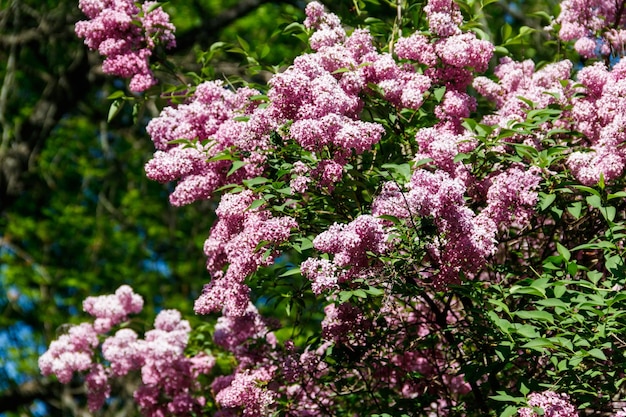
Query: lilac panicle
552	404
233	241
166	372
126	46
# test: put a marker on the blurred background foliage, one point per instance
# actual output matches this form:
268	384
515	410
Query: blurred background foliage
77	215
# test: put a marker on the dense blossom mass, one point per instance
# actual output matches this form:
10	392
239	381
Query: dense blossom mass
551	405
380	195
126	35
596	26
165	371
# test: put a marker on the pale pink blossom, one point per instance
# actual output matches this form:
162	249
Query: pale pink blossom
127	46
552	404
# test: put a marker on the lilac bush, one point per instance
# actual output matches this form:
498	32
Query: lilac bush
421	226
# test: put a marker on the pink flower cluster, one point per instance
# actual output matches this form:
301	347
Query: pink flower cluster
208	122
444	17
512	196
321	94
74	351
233	332
328	30
552	404
111	310
71	352
594	104
126	35
519	79
345	324
464	239
249	338
597	26
169	378
449	59
598	115
234	242
350	244
244	392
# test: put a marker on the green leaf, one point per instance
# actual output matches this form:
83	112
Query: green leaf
438	93
345	296
594	201
527	331
608	213
546	17
503	396
501	50
499	304
236	165
374	291
559	290
587	189
291	272
256	204
115	109
392	219
538	315
598	354
518	289
181	141
509	411
259	97
539	344
460	157
360	293
524	390
546	200
153	7
594	276
403	171
553	302
506	31
117	94
255	181
244	44
572	268
221	157
563	251
294	28
619	194
340	70
306	243
218	45
575	209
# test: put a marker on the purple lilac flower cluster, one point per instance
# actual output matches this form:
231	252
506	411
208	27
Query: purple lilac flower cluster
551	403
598	115
126	36
169	378
597	26
207	120
249	338
233	241
594	104
349	243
